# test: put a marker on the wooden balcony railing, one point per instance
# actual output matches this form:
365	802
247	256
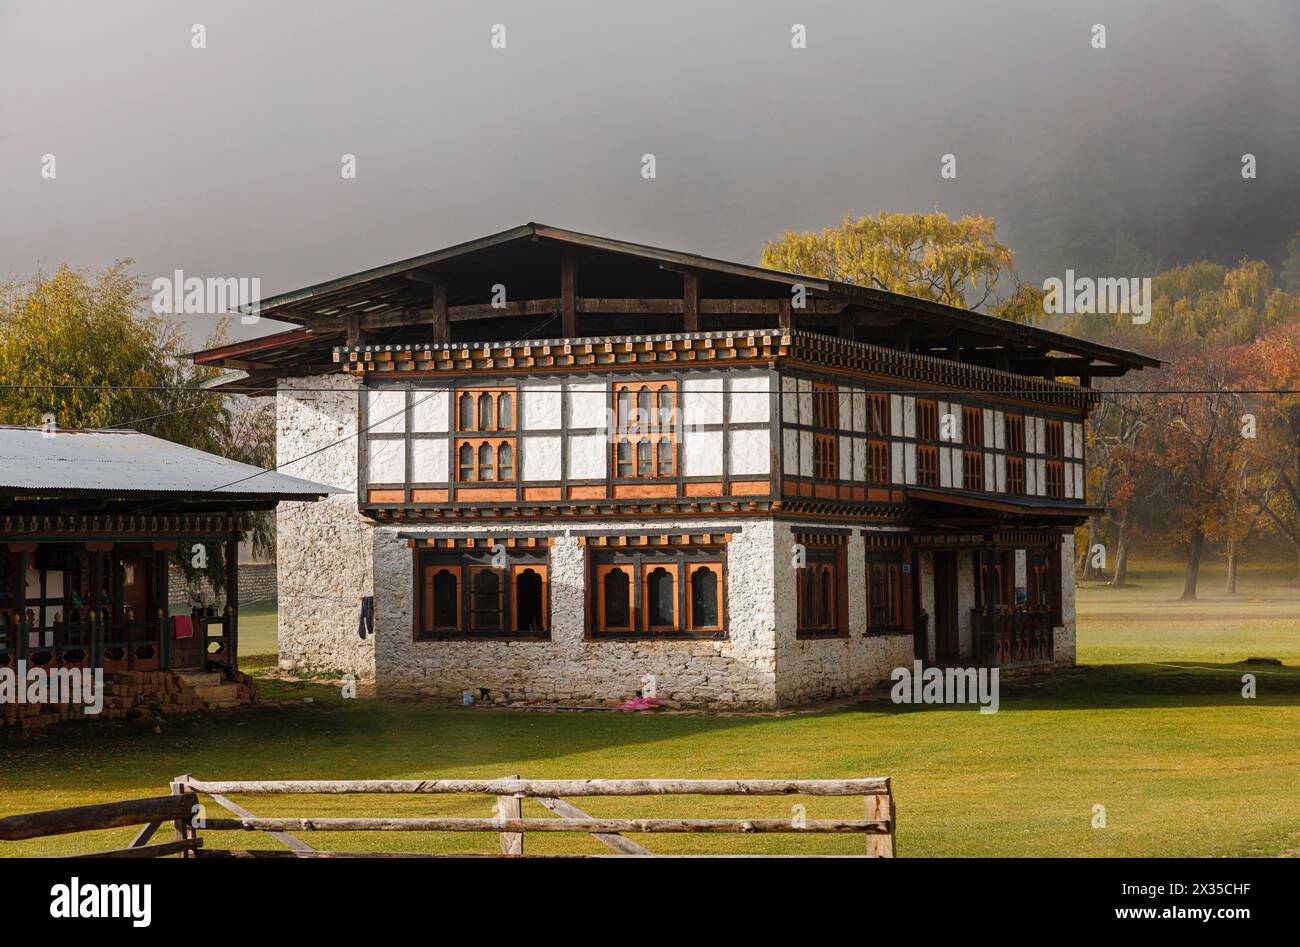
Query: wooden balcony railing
1014	637
122	645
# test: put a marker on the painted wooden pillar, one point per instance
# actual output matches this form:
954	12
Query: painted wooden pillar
24	560
96	604
232	599
162	604
988	560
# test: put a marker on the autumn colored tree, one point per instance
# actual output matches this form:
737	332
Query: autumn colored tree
1196	449
84	351
930	256
1277	358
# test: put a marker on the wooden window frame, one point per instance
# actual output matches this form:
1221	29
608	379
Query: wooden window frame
819	560
1016	475
878	466
878	415
892	566
1054	479
495	443
927	465
674	572
691	569
682	563
543	570
464	564
972	426
972	471
495	393
600	572
927	420
655	430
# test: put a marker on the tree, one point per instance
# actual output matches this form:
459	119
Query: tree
1277	356
1290	276
929	256
83	351
1196	449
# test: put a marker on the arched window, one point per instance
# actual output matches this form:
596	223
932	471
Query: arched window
505	461
485	599
624	407
486	421
644	460
466	412
505	412
704	598
644	407
530	605
624	453
466	462
665	408
485	462
665	450
446	599
617	589
661	598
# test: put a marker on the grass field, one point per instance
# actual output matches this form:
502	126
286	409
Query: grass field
1152	726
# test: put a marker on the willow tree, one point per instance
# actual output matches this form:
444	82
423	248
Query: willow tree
83	350
930	256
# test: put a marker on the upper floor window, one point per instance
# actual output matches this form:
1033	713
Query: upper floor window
972	427
1055	469
645	431
826	443
927	420
878	414
1016	433
485	409
1055	440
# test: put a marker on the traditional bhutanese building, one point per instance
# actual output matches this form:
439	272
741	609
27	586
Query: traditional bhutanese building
89	520
577	469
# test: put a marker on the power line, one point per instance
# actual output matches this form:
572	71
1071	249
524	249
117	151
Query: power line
851	392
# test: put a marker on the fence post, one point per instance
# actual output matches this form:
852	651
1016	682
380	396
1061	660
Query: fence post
511	807
183	830
879	809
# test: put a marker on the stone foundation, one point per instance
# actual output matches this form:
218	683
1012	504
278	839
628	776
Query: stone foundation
133	695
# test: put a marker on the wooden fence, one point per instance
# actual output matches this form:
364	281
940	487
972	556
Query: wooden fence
152	813
877	826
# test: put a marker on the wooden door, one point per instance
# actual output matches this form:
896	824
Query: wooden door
945	606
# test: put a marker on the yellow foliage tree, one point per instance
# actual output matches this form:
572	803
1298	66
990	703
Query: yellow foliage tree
929	256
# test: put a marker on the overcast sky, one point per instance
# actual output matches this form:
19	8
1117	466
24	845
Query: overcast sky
225	161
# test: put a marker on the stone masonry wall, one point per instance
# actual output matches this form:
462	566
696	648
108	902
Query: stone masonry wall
821	668
324	550
1063	643
732	672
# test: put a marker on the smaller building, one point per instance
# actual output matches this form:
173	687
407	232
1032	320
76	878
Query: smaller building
88	522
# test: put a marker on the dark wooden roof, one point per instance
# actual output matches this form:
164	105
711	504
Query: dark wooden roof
624	288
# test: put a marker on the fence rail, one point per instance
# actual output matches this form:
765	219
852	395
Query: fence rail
182	809
877	826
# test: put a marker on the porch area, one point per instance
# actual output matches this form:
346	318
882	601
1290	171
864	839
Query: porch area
97	596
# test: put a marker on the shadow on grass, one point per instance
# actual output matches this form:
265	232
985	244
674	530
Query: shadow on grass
330	737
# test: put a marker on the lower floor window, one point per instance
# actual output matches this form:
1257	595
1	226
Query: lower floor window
656	593
469	594
884	594
822	603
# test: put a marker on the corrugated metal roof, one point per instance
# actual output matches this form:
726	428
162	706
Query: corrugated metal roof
131	463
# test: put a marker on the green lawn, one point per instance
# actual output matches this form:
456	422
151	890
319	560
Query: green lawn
1153	728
